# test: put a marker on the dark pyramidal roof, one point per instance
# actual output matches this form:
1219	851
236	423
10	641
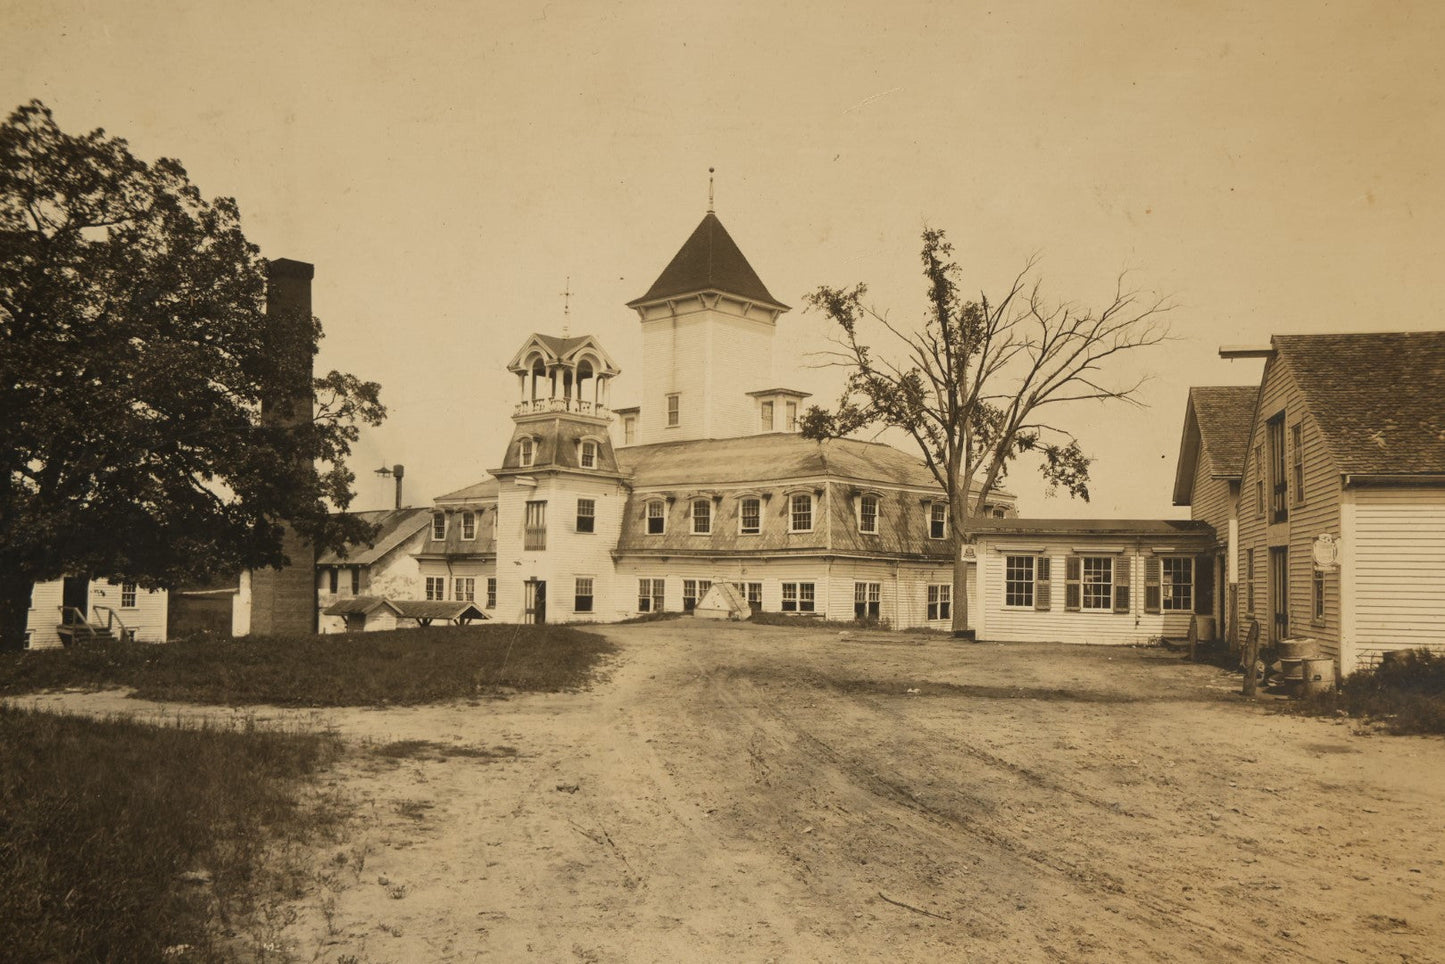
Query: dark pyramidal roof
709	261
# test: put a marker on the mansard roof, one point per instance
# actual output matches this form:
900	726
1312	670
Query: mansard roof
485	489
770	458
1217	422
709	260
1376	398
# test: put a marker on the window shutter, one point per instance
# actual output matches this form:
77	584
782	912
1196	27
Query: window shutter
1204	584
1151	584
1043	587
1122	565
1072	588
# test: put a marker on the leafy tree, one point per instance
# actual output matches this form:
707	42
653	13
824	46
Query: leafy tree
135	357
977	386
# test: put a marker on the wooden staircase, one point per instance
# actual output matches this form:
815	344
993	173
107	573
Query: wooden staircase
75	626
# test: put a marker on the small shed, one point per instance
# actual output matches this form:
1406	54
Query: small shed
425	611
723	601
364	613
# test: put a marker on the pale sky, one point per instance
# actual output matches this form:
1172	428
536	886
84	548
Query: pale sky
448	165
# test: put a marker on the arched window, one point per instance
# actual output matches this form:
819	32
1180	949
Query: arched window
588	457
526	452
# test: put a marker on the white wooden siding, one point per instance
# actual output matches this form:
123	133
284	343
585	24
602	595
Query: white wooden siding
1399	579
147	618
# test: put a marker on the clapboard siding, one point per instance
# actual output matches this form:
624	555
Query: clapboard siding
1004	623
1317	514
147	618
1399	562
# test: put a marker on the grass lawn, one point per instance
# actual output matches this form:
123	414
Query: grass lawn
362	669
119	840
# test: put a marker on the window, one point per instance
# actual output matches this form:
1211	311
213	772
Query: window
469	525
999	512
868	514
940	602
692	592
491	592
355	580
792	415
1249	581
526	452
464	588
750	517
674	411
1018	581
755	596
767	416
586	515
937	520
127	595
649	595
1297	456
588	458
582	597
1178	585
535	536
798	597
800	513
1259	480
656	518
866	600
438	527
701	517
1317	598
1098	582
436	587
1279	482
331	581
629	430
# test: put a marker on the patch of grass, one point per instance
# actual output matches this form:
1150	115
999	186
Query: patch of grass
119	839
1405	693
814	622
405	666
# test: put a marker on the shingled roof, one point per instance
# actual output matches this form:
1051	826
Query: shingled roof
394	526
777	456
709	260
1377	398
1217	422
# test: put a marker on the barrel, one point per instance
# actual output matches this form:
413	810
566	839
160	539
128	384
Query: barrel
1291	669
1302	647
1318	675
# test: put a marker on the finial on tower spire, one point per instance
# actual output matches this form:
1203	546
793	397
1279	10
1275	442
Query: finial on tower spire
567	307
709	190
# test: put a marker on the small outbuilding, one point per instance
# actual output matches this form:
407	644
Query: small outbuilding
723	601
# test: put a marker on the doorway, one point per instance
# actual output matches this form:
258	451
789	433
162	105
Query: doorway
535	600
1279	592
75	595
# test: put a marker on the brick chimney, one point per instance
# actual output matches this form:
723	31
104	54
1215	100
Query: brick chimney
284	600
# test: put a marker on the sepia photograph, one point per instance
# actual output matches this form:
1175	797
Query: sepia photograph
626	481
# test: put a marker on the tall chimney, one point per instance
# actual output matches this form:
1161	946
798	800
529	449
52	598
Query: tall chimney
398	471
284	600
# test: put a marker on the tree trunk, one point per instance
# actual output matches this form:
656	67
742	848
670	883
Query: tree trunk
14	610
960	589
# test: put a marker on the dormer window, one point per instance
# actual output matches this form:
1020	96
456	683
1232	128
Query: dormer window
937	520
656	518
868	514
588	457
469	525
750	516
438	525
629	429
767	423
800	513
526	452
701	517
791	408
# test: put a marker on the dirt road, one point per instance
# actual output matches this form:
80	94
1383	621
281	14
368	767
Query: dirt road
749	793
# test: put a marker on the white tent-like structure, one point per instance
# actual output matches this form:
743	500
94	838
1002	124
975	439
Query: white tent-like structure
723	601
